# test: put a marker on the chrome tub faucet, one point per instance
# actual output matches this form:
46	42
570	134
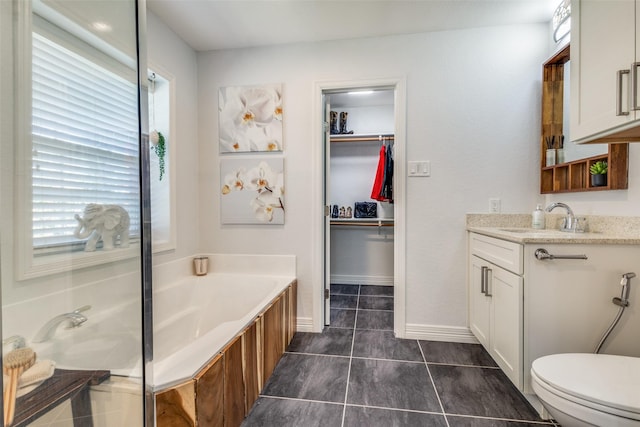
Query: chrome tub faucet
73	319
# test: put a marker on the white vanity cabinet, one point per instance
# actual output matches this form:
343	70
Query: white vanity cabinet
495	301
567	302
604	63
522	308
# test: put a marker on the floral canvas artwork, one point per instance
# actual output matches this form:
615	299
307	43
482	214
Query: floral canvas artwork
252	191
250	118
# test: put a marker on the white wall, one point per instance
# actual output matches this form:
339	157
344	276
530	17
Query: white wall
168	53
473	110
58	293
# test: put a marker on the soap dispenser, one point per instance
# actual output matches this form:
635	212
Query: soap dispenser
537	218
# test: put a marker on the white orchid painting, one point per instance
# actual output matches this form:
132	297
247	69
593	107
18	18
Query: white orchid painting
252	191
250	118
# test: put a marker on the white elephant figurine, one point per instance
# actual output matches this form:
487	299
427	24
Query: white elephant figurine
103	222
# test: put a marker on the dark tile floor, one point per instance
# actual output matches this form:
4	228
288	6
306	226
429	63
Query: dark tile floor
356	373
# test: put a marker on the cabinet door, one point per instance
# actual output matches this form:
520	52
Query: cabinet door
506	322
602	43
479	303
636	70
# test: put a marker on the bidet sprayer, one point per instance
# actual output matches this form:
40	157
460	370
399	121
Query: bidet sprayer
626	277
623	301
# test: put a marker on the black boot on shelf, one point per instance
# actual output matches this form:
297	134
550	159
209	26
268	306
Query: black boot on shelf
343	123
333	119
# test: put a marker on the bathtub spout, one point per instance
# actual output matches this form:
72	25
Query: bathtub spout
73	320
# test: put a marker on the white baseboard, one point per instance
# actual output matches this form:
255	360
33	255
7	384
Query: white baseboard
305	324
345	279
440	333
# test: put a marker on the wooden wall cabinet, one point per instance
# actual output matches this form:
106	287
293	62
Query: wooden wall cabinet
604	73
572	176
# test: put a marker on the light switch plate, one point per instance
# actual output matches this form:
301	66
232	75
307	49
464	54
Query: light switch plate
420	168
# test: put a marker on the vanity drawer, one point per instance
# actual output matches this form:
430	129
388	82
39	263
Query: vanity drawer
508	255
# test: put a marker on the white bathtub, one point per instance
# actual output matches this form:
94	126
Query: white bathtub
196	317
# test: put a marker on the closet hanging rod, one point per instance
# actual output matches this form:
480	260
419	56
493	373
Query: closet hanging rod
362	224
362	138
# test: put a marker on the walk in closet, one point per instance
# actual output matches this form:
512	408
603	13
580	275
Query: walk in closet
361	249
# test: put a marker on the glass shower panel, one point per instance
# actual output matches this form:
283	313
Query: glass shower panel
72	222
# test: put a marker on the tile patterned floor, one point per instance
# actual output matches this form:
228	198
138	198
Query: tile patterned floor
356	373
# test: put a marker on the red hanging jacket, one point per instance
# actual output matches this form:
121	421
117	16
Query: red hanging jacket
379	180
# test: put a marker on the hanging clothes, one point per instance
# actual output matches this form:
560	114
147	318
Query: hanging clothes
378	182
387	188
383	184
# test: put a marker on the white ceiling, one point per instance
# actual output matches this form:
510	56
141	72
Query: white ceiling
223	24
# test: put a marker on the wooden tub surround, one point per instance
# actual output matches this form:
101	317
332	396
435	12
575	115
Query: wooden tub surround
223	392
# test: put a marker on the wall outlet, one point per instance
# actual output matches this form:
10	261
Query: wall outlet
494	205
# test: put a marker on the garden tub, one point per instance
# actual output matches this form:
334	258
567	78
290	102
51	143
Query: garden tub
197	316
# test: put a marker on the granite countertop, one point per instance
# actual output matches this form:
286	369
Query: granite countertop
603	230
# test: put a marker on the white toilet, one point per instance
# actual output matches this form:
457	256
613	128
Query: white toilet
582	389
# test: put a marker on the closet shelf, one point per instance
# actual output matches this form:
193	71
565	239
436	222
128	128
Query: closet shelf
361	138
363	222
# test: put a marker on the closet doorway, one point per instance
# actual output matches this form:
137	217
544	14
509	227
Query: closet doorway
363	195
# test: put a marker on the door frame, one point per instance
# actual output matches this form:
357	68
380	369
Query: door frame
398	84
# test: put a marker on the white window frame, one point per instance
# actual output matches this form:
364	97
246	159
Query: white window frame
29	264
170	177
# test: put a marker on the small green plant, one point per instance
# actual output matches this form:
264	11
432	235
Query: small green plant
598	168
160	150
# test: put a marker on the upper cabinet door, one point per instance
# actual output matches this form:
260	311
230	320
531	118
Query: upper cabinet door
603	49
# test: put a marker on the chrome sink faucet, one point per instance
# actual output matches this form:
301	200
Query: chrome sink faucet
569	221
73	320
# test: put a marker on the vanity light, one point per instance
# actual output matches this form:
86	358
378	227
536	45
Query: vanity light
360	92
561	20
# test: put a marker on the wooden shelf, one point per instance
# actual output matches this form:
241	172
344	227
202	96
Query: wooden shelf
64	384
572	176
361	138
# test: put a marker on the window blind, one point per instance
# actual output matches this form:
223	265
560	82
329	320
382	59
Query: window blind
84	142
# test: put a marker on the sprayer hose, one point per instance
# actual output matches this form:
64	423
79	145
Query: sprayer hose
611	327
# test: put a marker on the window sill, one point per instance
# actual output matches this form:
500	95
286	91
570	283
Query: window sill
34	267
